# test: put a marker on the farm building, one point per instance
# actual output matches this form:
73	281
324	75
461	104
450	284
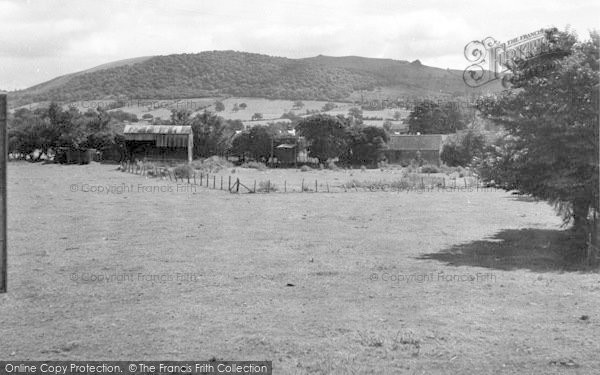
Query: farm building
289	149
404	148
159	142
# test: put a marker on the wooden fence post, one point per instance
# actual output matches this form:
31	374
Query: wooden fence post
207	180
3	205
237	184
302	186
316	187
221	182
229	184
214	181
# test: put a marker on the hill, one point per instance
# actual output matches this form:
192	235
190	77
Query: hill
229	73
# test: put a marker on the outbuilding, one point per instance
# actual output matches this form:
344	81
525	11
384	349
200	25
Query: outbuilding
405	148
159	142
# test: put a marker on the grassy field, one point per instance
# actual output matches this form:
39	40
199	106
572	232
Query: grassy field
272	110
346	283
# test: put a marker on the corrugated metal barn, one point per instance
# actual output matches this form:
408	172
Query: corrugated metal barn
404	148
159	142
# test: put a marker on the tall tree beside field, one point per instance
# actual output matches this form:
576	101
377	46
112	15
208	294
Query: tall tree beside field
551	116
326	135
366	145
211	135
430	117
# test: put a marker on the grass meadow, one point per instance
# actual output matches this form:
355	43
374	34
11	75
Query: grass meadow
111	265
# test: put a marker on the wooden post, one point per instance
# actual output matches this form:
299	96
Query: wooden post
201	178
268	186
316	187
237	185
3	227
194	178
302	186
229	184
328	187
214	181
221	182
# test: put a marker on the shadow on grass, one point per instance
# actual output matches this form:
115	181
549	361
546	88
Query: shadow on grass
538	250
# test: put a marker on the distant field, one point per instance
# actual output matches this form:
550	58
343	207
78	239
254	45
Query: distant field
346	283
271	110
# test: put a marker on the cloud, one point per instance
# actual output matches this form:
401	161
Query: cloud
44	39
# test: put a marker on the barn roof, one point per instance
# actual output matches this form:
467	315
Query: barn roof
415	142
157	129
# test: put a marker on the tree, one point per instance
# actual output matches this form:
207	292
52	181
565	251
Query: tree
298	104
461	149
366	145
219	106
397	115
255	143
181	116
328	107
326	135
430	117
243	105
356	115
210	135
551	117
257	116
387	125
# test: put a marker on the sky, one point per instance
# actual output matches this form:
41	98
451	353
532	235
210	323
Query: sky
43	39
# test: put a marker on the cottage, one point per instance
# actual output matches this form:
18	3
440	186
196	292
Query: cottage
404	148
159	142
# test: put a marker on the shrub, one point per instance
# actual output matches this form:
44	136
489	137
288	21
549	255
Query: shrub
212	164
266	186
255	165
305	168
428	168
331	165
363	168
183	171
461	149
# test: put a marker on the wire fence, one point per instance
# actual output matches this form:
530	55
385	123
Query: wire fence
410	182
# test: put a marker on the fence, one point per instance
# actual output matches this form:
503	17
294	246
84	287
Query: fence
410	182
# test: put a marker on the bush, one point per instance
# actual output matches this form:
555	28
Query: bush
305	168
254	165
266	186
212	164
331	165
428	168
460	150
183	171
